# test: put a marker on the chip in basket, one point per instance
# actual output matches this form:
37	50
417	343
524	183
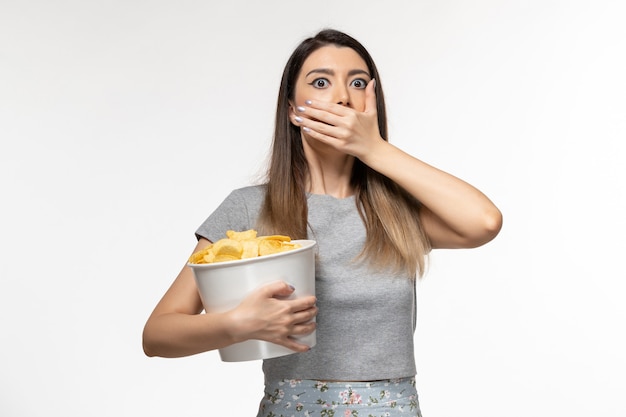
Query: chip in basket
242	245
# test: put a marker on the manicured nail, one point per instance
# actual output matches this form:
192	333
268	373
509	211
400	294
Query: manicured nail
292	287
300	108
308	102
306	129
298	119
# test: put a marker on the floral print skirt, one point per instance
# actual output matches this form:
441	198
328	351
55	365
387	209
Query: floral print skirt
310	398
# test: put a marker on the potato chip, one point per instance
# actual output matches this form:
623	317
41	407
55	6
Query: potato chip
242	245
250	249
276	237
224	258
198	257
246	235
208	258
228	247
267	247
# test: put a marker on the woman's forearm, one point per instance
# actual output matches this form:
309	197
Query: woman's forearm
464	210
174	335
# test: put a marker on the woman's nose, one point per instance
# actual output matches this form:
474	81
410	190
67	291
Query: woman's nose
344	102
342	96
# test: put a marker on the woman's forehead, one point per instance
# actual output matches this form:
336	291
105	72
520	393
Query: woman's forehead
334	57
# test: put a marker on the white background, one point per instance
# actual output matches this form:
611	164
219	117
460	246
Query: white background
123	124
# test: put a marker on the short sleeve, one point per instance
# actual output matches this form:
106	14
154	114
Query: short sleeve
239	211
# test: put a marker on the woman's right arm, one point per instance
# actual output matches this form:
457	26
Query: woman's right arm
177	328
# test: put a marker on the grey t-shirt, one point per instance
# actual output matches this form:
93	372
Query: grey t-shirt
366	318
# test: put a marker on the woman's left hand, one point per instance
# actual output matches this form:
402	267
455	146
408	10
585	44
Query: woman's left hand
348	130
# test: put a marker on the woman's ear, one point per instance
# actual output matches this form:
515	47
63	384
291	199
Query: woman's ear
292	112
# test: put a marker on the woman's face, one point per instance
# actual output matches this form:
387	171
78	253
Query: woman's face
333	74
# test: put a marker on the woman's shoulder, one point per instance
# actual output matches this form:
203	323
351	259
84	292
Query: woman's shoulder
249	193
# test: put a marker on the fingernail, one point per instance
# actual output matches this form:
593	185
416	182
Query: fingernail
292	287
374	81
298	119
308	102
306	129
300	108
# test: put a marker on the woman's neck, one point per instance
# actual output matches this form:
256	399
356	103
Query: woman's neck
329	173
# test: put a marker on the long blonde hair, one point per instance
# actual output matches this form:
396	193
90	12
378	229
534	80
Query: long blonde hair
391	215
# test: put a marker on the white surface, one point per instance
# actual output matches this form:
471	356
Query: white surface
124	123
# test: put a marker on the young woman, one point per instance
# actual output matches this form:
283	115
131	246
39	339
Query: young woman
375	212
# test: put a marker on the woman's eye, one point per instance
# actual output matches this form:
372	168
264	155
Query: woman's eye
319	83
358	83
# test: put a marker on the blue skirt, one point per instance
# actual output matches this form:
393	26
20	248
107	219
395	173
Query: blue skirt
311	398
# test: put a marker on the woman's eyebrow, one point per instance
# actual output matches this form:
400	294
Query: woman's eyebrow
329	71
321	71
357	72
